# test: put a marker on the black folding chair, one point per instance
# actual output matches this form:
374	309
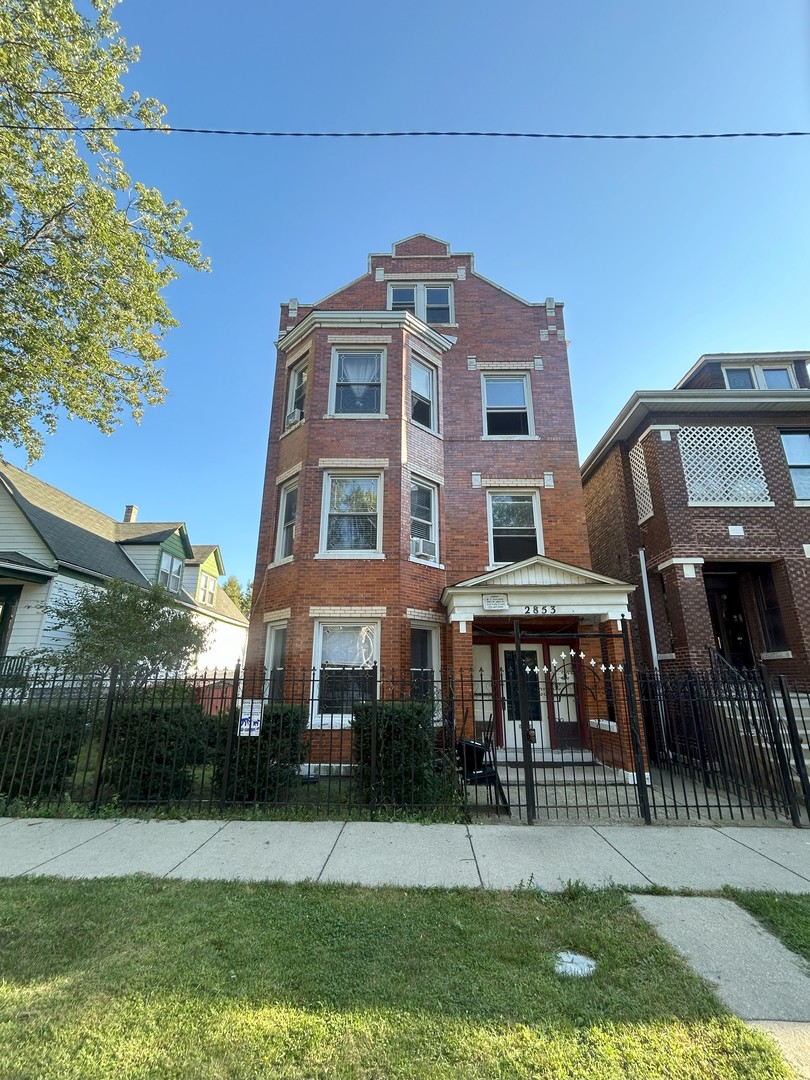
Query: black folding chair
478	766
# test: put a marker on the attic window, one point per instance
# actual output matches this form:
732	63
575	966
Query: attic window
208	589
759	377
171	572
431	303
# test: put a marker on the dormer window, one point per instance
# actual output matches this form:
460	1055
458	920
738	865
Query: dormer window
171	572
431	303
759	377
208	589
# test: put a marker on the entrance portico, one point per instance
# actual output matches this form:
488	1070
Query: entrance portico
553	604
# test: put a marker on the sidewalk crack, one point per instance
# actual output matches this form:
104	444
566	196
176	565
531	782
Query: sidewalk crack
762	854
199	847
331	851
475	857
622	855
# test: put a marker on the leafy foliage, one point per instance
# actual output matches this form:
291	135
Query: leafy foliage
155	744
39	741
243	598
143	631
408	771
265	768
85	251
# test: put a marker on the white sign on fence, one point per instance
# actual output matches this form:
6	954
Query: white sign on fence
250	717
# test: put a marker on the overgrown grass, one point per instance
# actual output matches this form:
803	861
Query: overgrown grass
140	979
784	914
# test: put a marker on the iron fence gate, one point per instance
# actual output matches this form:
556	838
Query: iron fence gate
555	734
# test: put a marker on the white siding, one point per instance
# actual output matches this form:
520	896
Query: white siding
28	619
226	646
17	533
62	588
145	557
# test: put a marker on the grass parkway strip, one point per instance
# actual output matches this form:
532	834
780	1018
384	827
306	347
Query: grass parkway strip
141	979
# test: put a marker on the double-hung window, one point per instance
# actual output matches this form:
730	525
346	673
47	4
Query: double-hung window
423	662
208	589
514	526
797	451
171	572
759	377
288	505
423	394
507	406
296	393
430	303
345	657
357	382
352	514
274	660
424	517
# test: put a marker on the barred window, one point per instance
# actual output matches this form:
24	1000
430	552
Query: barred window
641	483
721	466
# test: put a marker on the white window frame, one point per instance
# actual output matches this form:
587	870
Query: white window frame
538	521
507	376
272	638
207	590
799	500
350	553
293	485
336	720
420	298
172	568
434	393
298	368
434	522
758	374
352	350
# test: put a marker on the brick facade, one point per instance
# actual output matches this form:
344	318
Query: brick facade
493	332
706	562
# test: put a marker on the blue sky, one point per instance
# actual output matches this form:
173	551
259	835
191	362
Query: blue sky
661	251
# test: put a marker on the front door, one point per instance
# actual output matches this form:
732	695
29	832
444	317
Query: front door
728	619
532	658
9	595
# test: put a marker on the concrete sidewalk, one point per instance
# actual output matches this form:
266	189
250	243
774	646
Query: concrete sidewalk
369	853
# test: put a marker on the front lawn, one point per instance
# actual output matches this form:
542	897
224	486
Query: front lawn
137	978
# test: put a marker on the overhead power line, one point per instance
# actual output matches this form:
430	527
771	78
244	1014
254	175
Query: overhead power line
415	134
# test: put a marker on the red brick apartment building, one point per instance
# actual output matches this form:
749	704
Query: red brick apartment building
701	496
422	488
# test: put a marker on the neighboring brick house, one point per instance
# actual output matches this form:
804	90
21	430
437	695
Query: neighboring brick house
707	486
52	545
422	486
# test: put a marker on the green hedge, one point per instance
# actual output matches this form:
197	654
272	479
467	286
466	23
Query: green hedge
39	743
154	747
264	768
409	772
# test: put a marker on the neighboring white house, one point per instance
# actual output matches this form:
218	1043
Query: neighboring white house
52	544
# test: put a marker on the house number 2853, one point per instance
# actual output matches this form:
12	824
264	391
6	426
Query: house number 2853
540	609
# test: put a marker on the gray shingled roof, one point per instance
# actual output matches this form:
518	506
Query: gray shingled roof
76	534
80	536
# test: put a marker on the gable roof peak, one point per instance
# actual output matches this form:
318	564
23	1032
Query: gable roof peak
420	244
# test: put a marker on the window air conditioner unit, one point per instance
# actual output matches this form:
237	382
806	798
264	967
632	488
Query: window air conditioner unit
423	549
293	417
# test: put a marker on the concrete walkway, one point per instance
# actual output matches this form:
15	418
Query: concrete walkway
752	973
475	856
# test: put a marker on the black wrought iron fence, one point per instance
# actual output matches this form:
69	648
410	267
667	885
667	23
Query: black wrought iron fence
554	736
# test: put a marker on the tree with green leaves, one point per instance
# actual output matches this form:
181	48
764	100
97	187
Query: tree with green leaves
85	252
143	632
243	598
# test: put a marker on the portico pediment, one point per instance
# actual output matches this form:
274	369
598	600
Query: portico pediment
538	587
